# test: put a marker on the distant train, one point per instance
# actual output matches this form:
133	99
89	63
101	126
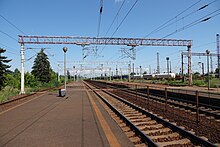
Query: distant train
155	76
160	76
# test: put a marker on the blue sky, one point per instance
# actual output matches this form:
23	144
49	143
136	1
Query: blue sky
80	18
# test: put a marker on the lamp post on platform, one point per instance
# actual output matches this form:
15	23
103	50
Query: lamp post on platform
208	54
167	58
65	50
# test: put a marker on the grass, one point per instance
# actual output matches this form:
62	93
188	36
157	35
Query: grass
215	83
8	92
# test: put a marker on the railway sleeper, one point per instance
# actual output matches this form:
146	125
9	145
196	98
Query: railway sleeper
182	142
129	110
132	114
126	129
150	122
137	117
163	131
130	134
141	145
151	127
161	137
135	140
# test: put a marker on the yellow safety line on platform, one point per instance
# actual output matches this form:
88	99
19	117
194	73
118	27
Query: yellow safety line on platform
107	130
21	104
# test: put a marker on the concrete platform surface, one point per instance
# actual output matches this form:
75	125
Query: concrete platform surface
59	121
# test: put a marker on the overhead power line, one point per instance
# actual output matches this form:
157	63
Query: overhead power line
115	17
9	22
164	24
122	22
100	17
171	23
196	22
8	35
113	23
12	24
124	18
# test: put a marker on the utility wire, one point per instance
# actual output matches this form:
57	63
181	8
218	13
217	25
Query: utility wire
99	21
172	19
115	18
198	21
8	35
19	31
12	24
100	17
169	24
124	18
112	23
121	23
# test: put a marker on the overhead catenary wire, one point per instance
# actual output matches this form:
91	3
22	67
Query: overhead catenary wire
100	17
171	23
123	20
155	30
8	35
196	22
166	24
12	24
115	17
17	28
113	23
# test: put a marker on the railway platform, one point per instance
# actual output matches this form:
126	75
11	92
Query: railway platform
48	120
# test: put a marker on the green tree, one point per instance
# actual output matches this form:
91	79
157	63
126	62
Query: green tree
41	68
3	68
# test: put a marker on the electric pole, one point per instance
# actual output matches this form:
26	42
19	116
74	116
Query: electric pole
217	41
158	63
167	58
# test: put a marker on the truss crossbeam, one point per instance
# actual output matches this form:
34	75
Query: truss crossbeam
95	62
200	54
101	41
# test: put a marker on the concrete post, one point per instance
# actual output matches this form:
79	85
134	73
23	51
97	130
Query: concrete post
22	69
203	75
129	72
121	73
58	72
189	65
110	77
182	67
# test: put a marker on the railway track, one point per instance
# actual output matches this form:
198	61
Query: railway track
152	130
192	120
208	110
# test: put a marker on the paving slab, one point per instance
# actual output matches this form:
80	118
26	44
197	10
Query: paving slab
57	121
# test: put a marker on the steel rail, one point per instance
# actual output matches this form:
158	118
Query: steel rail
160	98
194	139
144	138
